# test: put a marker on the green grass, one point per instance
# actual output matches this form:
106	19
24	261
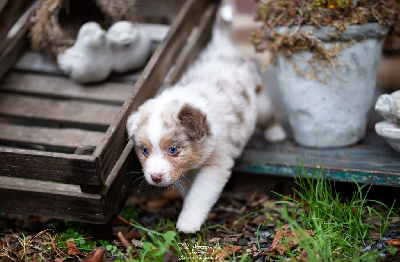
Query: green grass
165	241
340	226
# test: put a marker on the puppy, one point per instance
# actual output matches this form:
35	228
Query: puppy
190	134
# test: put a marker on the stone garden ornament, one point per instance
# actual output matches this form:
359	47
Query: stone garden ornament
388	106
129	44
88	60
327	55
95	54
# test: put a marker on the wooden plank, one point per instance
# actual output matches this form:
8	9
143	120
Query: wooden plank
198	41
61	87
74	113
7	59
159	10
2	4
60	167
119	181
372	161
13	30
10	14
66	139
50	199
150	81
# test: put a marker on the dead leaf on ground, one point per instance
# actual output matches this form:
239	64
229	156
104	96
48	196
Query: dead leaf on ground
393	242
97	257
284	240
226	251
72	250
132	234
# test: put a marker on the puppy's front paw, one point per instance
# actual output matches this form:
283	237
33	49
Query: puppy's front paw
188	224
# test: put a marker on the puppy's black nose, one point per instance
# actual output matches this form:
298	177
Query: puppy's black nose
157	177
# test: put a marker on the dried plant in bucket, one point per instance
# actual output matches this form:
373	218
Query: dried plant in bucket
307	19
327	54
56	23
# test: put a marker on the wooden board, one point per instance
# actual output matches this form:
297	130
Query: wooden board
71	113
14	21
63	139
61	87
372	161
63	201
50	199
48	166
150	81
197	42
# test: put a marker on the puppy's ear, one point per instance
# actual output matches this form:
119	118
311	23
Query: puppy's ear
194	121
132	124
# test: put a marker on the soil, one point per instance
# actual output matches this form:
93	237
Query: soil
235	212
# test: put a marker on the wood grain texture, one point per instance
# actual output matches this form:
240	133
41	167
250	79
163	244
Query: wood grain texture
61	87
150	81
372	161
50	199
119	181
63	139
60	167
13	31
74	113
197	42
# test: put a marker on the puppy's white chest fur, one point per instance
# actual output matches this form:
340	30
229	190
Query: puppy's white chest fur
190	134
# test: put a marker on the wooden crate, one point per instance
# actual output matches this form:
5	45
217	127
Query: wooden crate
45	117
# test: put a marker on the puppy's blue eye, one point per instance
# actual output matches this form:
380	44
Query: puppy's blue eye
145	151
172	150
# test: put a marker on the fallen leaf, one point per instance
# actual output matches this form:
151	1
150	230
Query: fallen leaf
72	250
97	257
132	234
226	251
393	242
284	239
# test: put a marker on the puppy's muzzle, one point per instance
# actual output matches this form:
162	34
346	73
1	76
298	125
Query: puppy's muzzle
157	177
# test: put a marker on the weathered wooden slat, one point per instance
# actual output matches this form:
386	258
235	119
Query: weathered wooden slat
158	9
74	113
65	139
57	200
119	181
371	161
50	199
48	166
13	30
197	42
150	81
11	12
61	87
2	4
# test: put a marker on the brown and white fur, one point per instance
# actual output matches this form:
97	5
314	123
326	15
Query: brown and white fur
190	134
